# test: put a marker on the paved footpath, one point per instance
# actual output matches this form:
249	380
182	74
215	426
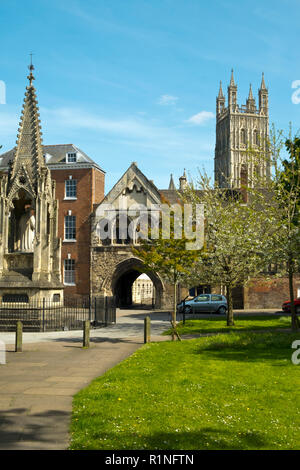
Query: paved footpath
37	385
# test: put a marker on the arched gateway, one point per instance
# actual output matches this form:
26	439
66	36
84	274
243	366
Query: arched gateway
114	272
123	278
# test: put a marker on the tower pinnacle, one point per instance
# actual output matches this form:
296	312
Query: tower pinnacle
220	95
232	93
263	85
220	102
263	96
171	184
31	68
250	97
251	101
183	181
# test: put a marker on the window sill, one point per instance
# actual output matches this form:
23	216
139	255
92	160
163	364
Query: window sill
70	198
67	284
71	240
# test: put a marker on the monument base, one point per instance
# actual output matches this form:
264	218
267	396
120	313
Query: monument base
18	283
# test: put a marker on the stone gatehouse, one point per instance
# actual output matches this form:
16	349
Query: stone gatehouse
114	268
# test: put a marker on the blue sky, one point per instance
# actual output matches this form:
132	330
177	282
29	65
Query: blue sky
136	80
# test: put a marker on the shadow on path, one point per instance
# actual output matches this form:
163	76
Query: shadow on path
18	430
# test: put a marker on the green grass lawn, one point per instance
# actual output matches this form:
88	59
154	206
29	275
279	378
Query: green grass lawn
242	322
229	391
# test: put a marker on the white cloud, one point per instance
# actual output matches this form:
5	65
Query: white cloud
167	100
200	118
139	133
76	118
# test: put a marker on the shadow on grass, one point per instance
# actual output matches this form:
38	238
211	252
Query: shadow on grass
237	318
253	347
205	438
208	437
201	326
214	331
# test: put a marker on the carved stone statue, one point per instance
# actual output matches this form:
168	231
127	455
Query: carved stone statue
27	230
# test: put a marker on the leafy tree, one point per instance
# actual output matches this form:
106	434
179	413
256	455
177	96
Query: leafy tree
289	190
285	186
238	237
281	192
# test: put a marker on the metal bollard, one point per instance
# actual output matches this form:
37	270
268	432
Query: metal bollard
86	334
147	327
19	336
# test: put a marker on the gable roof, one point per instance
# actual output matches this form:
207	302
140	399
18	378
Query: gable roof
127	181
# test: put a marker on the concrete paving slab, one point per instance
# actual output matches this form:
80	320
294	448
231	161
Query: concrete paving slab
17	387
66	379
54	391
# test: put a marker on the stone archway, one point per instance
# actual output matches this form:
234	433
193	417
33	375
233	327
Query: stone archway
123	278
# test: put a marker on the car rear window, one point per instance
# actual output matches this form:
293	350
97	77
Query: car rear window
216	298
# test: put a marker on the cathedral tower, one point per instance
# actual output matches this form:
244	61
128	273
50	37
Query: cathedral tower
237	129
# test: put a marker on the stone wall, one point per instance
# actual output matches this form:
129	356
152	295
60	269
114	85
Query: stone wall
269	293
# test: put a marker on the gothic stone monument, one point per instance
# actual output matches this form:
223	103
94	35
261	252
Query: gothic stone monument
29	246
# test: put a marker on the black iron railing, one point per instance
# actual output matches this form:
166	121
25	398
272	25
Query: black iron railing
45	315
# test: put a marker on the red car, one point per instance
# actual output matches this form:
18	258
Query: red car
286	306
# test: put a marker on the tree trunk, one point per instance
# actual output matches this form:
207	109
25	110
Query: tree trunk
174	311
173	321
230	321
295	321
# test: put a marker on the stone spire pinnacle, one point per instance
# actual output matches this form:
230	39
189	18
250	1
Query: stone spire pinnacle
220	95
263	85
29	153
232	79
251	101
263	96
220	101
31	68
232	94
171	184
250	97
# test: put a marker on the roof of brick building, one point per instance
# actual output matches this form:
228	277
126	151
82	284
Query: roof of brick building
54	155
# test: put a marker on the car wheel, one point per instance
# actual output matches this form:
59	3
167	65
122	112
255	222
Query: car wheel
187	309
222	310
297	309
